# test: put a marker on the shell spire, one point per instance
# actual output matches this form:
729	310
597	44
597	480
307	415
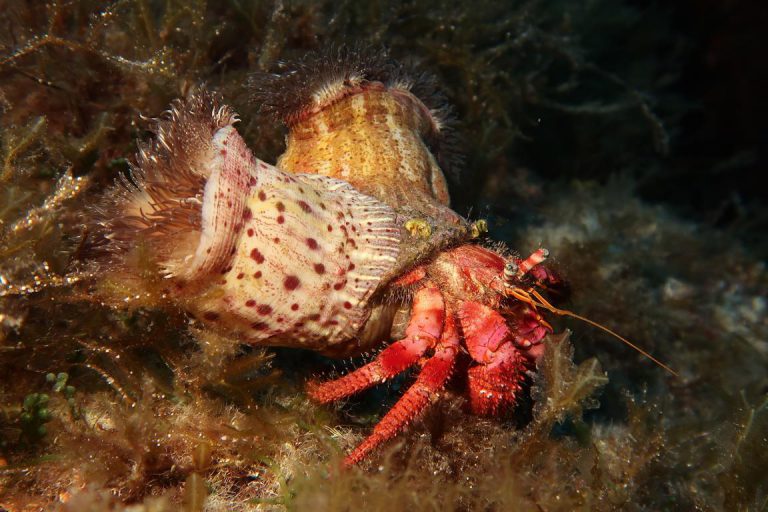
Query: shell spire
321	78
356	115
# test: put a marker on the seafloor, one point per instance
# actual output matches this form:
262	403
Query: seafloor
627	137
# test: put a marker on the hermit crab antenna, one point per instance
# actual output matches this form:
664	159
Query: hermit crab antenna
542	302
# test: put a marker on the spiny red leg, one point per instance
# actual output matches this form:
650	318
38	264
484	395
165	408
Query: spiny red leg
422	333
495	382
430	381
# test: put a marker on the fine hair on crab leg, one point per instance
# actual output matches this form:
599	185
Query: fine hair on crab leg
431	380
422	333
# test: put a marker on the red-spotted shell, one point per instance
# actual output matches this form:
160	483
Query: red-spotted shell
310	253
270	257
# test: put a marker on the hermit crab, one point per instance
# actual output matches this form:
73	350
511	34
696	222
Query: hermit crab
347	237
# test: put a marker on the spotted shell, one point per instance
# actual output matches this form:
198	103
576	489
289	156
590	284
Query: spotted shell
268	256
311	252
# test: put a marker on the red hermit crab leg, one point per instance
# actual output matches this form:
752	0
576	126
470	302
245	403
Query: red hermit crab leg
422	333
430	381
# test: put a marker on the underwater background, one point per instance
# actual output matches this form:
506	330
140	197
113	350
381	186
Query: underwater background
627	137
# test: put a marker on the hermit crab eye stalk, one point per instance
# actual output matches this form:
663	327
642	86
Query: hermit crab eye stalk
534	259
511	270
514	272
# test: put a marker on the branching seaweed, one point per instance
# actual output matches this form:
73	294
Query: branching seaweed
563	390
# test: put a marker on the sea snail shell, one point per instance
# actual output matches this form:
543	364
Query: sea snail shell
270	257
356	115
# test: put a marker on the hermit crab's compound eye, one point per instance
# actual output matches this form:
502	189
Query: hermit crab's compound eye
511	271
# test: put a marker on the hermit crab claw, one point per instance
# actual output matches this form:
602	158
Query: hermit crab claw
493	384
